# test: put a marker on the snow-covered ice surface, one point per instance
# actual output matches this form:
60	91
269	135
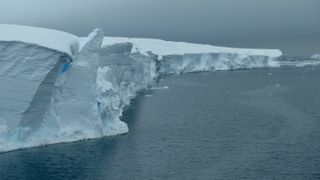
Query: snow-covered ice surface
162	47
52	39
63	88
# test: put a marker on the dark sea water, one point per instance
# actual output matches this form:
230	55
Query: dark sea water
248	124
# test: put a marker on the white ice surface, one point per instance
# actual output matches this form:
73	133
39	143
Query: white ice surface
162	47
52	39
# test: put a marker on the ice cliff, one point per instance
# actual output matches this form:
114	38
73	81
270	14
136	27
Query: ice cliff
56	87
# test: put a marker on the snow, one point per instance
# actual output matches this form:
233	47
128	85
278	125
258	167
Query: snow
52	39
162	47
70	44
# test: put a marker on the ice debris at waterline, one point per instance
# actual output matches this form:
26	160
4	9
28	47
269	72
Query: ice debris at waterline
57	87
316	56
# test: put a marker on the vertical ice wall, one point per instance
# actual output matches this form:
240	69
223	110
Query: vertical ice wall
74	111
121	75
27	75
176	64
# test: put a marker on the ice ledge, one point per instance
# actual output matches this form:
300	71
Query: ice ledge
163	48
52	39
71	44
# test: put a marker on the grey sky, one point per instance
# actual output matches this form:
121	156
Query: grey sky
293	25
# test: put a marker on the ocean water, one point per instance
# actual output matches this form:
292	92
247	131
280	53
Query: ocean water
246	124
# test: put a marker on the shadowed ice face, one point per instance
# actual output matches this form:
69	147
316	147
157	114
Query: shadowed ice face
292	25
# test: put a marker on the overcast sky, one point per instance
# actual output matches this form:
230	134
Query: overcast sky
288	24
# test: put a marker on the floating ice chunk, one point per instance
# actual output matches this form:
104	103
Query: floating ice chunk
159	88
3	127
315	56
160	58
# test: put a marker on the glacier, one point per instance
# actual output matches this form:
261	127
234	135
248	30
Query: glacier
57	87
